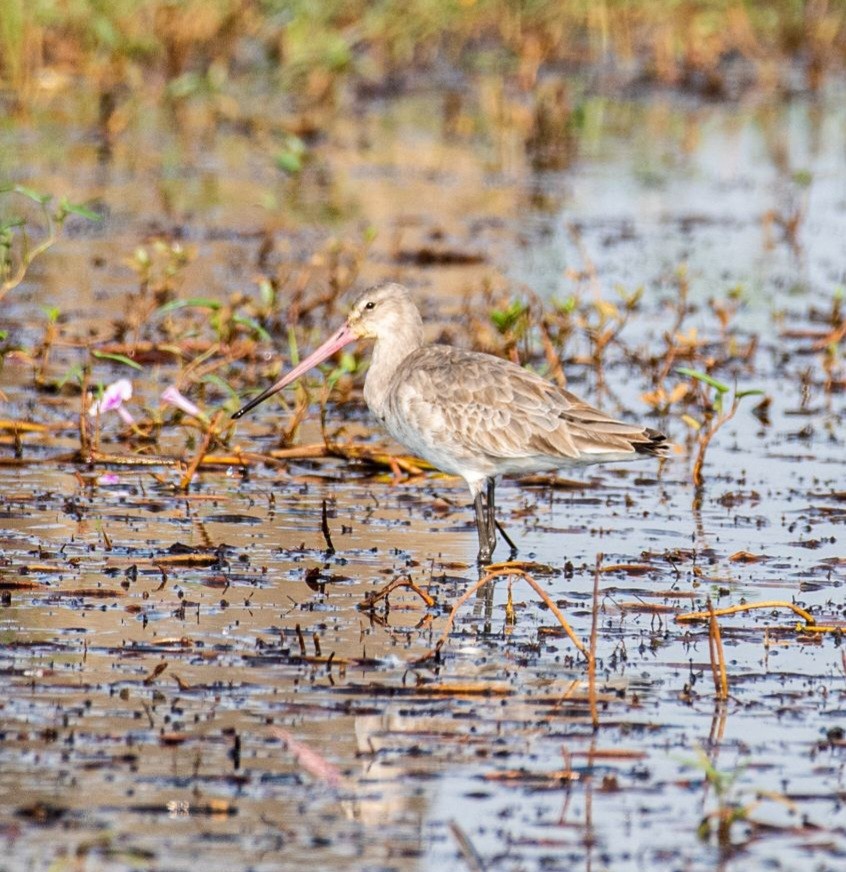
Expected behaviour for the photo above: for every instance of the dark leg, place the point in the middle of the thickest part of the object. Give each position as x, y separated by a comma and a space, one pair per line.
493, 524
485, 549
509, 540
491, 514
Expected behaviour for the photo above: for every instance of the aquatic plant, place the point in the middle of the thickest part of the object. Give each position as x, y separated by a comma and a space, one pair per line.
715, 414
512, 323
729, 809
18, 248
112, 399
171, 396
602, 322
159, 266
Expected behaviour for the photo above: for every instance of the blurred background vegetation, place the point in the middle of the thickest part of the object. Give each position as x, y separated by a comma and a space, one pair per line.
307, 48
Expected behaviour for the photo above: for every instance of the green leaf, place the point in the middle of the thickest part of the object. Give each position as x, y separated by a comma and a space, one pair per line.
217, 381
79, 209
718, 386
193, 303
565, 306
52, 313
505, 319
186, 85
291, 157
12, 223
75, 372
267, 293
289, 162
348, 362
293, 348
117, 358
750, 392
253, 325
41, 199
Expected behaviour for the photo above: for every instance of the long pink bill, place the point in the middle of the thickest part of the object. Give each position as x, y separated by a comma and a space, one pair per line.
336, 342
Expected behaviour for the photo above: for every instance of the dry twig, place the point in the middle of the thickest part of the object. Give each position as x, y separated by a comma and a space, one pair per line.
718, 660
490, 576
210, 434
746, 607
371, 599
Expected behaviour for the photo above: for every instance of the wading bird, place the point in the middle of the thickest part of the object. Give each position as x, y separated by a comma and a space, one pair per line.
468, 413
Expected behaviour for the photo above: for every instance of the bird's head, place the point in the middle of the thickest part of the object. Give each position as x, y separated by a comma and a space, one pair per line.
384, 311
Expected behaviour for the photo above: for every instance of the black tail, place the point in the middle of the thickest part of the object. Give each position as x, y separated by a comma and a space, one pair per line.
655, 444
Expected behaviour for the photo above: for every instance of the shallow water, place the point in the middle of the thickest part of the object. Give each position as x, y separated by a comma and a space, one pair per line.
142, 689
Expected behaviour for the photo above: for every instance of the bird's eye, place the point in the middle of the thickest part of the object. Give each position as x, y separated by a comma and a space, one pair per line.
369, 305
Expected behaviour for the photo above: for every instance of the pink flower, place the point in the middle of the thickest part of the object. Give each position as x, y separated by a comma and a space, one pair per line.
112, 400
172, 397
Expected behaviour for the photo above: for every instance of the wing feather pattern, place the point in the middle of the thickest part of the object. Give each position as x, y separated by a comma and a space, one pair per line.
445, 400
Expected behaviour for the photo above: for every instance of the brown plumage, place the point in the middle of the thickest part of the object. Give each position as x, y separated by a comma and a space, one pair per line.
468, 413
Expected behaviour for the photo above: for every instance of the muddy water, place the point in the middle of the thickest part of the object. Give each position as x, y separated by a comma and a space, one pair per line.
152, 639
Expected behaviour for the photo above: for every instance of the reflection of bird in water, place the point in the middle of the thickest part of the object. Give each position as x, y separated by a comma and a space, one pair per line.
468, 413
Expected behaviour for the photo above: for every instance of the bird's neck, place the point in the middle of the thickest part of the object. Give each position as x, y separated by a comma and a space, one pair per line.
388, 353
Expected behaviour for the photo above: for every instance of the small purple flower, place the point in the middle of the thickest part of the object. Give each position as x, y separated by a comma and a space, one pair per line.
109, 478
112, 400
172, 397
